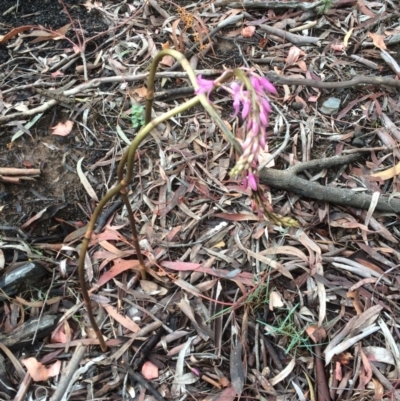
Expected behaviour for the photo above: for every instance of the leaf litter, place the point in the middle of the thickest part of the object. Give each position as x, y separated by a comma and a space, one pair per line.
234, 307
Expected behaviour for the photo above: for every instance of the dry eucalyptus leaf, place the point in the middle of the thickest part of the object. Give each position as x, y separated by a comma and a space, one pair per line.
38, 371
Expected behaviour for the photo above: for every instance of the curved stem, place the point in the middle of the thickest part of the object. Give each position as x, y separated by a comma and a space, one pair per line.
128, 161
81, 264
135, 238
123, 183
129, 157
182, 60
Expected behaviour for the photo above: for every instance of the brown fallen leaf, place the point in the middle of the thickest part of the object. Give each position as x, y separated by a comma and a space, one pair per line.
293, 56
378, 40
167, 61
119, 267
388, 174
38, 371
275, 300
42, 35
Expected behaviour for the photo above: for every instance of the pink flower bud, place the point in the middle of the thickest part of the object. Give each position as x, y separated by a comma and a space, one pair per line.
267, 85
205, 86
262, 140
255, 128
256, 84
236, 106
263, 118
247, 142
249, 124
235, 88
265, 105
246, 108
255, 148
252, 181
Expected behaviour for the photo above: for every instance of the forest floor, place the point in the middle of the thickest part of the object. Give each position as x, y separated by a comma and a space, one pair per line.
235, 305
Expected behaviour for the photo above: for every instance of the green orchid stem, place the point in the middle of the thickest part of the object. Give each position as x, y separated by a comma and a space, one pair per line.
127, 161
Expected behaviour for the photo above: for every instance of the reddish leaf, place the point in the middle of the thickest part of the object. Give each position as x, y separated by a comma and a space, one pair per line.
245, 278
248, 31
119, 267
43, 35
149, 371
63, 129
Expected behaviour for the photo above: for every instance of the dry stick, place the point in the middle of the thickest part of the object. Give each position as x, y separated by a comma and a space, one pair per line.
360, 80
249, 4
102, 220
94, 84
40, 109
271, 76
291, 37
23, 388
67, 375
289, 181
145, 383
19, 171
322, 384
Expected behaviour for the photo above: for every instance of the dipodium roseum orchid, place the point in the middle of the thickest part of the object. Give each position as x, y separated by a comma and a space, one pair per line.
250, 99
251, 102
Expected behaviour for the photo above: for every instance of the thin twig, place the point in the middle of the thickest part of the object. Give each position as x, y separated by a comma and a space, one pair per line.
68, 373
284, 143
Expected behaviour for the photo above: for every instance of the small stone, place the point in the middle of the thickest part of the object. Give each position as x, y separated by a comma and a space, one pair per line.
297, 106
330, 106
358, 142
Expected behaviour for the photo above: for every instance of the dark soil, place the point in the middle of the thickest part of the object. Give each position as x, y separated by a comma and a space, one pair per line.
48, 14
56, 156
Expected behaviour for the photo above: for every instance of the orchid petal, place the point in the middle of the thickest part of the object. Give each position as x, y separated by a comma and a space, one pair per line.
267, 86
252, 181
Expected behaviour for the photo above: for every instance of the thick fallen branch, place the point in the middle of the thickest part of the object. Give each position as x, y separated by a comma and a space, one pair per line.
249, 4
291, 37
93, 84
274, 78
289, 181
24, 114
360, 80
280, 80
